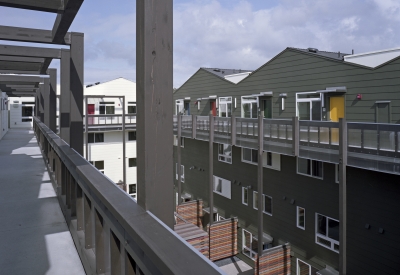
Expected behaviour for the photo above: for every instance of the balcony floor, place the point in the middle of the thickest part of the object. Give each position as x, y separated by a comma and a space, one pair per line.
34, 235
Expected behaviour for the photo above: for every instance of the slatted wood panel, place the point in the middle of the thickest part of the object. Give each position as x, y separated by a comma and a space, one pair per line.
195, 236
223, 239
274, 261
191, 211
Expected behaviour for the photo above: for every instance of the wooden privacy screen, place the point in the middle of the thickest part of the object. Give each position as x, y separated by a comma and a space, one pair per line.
223, 239
191, 211
195, 236
274, 261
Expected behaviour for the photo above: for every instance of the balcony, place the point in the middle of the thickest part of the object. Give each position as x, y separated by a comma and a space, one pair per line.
370, 146
45, 213
109, 122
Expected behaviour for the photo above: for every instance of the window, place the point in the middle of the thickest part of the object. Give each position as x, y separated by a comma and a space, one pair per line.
249, 107
132, 135
308, 167
255, 200
99, 164
303, 268
225, 106
176, 141
267, 205
27, 111
270, 160
308, 106
327, 232
182, 172
179, 107
132, 190
245, 195
106, 108
301, 217
222, 187
131, 108
225, 153
95, 137
132, 162
250, 155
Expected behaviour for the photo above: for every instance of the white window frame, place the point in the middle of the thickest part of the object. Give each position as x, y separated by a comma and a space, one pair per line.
255, 204
182, 172
176, 141
224, 101
93, 162
243, 195
223, 157
249, 99
311, 175
132, 194
179, 105
298, 217
264, 211
275, 158
94, 137
131, 104
30, 118
297, 267
298, 100
220, 218
226, 187
106, 104
251, 252
318, 235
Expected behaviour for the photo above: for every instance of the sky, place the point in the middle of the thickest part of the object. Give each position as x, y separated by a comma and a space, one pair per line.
229, 34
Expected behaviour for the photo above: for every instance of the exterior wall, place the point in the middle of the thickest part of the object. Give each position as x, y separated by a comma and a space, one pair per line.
315, 195
15, 107
292, 72
110, 151
3, 114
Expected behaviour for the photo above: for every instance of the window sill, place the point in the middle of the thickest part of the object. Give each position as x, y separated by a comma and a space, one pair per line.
319, 178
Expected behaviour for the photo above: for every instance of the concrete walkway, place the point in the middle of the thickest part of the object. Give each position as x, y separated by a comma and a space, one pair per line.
34, 237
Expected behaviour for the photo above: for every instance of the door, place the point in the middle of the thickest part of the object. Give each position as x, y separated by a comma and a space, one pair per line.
90, 111
336, 108
187, 107
213, 108
382, 112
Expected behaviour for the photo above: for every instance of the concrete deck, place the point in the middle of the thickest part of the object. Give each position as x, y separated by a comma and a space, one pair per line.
34, 237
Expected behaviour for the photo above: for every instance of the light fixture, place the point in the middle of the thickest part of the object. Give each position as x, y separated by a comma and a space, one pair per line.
283, 96
235, 103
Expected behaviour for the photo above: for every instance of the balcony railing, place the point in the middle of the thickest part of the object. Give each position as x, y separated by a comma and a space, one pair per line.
370, 146
109, 120
112, 233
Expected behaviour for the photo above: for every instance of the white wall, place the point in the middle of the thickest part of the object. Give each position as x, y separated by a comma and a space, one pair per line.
15, 107
236, 78
3, 114
373, 59
110, 151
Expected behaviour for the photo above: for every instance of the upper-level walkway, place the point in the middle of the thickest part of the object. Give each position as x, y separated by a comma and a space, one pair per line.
34, 235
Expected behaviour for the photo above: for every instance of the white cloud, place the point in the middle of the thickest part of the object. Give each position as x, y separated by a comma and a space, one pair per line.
389, 8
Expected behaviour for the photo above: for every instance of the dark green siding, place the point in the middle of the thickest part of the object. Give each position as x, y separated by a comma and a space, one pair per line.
292, 72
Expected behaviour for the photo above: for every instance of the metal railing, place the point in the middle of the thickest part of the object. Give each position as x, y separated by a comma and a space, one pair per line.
371, 146
109, 120
112, 233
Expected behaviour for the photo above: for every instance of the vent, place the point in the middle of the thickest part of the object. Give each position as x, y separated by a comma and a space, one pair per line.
312, 50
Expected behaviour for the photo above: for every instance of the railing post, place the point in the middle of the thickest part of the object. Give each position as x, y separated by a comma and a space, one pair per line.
100, 245
178, 151
124, 146
342, 196
88, 222
211, 169
86, 129
295, 136
194, 126
233, 130
79, 208
260, 182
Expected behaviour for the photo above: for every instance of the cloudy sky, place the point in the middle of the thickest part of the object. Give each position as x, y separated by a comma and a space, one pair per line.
238, 34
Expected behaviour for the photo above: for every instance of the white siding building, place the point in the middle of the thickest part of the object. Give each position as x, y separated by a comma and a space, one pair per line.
3, 114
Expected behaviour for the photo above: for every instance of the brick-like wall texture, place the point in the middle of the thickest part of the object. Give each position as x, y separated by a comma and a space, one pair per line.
223, 239
274, 261
191, 211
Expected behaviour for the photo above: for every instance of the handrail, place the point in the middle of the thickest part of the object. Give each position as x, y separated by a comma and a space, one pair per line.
104, 217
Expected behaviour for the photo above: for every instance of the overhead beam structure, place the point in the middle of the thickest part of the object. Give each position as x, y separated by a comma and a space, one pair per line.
32, 35
54, 6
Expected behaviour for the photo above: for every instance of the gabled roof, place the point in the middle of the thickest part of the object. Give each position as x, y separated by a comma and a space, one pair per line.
224, 72
334, 55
